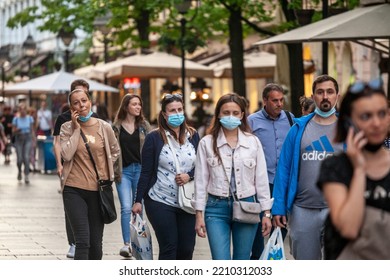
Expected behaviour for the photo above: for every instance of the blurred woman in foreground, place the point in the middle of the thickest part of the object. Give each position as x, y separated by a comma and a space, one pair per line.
356, 183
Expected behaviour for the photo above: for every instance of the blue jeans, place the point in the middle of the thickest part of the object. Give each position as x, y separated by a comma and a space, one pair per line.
23, 144
220, 228
126, 192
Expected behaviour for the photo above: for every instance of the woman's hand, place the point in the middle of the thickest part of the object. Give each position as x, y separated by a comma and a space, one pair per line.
182, 179
137, 208
59, 170
75, 116
266, 225
355, 144
200, 226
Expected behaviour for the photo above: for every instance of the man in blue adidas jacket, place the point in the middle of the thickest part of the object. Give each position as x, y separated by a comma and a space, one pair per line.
295, 194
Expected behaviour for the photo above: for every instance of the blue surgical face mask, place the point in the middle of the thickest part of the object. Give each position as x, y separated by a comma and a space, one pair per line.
87, 117
176, 120
230, 122
325, 114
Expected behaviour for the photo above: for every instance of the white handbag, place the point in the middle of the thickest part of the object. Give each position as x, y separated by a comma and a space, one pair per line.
186, 192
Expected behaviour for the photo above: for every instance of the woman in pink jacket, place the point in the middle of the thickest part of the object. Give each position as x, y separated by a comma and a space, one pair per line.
230, 160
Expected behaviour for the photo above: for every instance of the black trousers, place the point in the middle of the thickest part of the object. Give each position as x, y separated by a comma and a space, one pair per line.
82, 210
69, 232
174, 229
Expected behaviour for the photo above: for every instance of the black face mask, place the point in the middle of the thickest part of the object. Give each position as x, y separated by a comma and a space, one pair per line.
373, 147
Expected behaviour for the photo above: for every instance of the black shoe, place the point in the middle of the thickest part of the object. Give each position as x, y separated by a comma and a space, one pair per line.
20, 176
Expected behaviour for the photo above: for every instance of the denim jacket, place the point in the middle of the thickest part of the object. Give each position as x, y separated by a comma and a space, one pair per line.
250, 170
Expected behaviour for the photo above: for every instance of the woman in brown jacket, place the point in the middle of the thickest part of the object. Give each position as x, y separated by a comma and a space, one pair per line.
79, 179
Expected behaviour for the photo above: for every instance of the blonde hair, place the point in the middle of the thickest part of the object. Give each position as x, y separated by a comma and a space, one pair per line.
78, 90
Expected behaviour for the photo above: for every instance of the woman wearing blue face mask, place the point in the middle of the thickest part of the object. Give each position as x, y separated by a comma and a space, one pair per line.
230, 161
79, 179
160, 181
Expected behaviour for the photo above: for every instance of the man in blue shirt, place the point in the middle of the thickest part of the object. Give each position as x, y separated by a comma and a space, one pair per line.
295, 192
270, 125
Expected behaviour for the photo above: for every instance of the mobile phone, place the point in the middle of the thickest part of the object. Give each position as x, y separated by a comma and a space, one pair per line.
72, 111
349, 123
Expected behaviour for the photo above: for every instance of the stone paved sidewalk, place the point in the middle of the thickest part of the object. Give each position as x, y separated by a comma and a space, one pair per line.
32, 222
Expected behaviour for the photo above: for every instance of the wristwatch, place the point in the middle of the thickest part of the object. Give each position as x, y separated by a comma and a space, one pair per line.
268, 215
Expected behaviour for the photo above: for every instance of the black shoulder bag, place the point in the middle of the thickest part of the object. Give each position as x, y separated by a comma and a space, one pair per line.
106, 195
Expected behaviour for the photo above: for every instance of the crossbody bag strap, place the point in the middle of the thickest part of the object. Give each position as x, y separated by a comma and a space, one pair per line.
89, 152
230, 185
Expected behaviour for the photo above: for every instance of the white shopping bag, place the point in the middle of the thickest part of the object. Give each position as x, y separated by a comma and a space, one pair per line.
274, 249
141, 240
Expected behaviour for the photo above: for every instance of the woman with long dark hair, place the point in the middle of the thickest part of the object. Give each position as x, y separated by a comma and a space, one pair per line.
356, 183
160, 181
130, 129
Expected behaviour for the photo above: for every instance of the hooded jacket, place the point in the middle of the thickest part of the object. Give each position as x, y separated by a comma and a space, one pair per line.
287, 172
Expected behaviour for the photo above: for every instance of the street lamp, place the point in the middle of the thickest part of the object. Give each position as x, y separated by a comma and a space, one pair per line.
29, 48
183, 8
67, 38
4, 61
100, 24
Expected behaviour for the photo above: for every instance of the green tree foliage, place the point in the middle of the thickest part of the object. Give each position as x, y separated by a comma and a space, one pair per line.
132, 21
57, 12
233, 20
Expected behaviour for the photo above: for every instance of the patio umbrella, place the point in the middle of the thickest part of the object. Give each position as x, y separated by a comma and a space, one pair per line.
362, 23
58, 82
100, 70
155, 65
88, 71
257, 65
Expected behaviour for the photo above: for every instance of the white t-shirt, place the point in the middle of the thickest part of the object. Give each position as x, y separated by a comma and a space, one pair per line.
44, 119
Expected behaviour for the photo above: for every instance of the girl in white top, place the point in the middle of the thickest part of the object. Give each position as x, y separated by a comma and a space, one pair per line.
229, 158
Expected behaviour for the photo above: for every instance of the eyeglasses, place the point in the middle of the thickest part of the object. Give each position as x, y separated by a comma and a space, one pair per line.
174, 95
359, 86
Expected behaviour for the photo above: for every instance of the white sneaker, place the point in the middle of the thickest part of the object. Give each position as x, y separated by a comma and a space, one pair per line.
71, 251
125, 251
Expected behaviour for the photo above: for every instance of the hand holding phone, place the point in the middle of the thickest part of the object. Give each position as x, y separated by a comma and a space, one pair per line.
75, 116
355, 142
